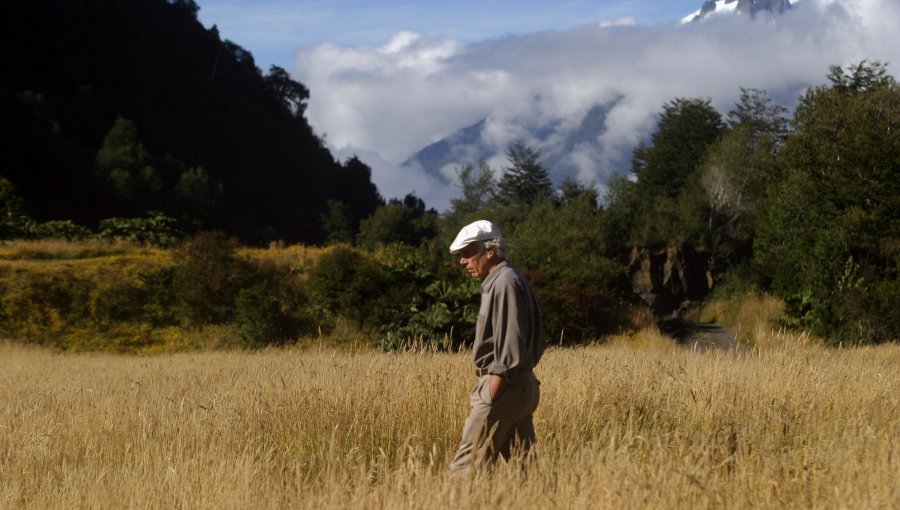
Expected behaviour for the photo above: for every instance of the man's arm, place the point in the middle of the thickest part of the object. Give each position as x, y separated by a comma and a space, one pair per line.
509, 322
498, 386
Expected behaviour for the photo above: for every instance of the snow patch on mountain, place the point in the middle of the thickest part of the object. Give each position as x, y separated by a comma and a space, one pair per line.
712, 8
719, 7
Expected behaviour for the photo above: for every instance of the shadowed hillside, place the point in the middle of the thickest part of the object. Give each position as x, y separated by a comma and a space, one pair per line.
115, 108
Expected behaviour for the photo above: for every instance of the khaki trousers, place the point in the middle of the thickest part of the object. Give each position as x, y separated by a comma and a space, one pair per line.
496, 428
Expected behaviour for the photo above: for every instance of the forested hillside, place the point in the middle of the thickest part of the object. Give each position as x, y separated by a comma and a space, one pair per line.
120, 107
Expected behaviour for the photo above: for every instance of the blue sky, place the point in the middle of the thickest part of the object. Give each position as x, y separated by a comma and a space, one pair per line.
274, 29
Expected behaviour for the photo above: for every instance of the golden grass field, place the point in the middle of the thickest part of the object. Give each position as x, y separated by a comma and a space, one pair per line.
634, 423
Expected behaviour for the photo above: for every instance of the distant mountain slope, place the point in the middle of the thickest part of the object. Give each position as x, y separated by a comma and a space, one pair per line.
465, 145
567, 148
202, 110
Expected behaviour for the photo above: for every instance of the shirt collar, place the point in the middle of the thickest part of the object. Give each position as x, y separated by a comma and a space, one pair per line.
489, 281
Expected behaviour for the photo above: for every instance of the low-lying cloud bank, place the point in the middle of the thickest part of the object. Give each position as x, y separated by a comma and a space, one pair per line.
385, 103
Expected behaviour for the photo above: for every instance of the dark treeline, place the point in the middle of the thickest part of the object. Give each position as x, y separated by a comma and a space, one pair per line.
113, 108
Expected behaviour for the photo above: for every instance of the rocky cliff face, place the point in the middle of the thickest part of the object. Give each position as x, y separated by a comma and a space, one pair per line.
667, 277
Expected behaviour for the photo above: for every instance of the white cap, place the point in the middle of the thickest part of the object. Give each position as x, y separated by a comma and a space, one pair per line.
481, 230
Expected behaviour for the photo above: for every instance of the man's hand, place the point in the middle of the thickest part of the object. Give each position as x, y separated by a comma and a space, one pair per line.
498, 386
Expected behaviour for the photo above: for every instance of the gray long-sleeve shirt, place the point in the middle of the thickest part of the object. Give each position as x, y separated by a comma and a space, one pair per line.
508, 336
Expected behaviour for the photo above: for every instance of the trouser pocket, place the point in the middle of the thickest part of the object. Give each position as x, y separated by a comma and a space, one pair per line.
486, 390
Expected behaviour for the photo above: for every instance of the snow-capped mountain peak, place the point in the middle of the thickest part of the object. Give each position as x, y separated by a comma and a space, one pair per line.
751, 7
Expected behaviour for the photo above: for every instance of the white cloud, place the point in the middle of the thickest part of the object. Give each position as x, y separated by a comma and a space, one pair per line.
384, 103
626, 21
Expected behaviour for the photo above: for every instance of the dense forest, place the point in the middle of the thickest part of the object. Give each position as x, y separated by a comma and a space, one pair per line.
130, 120
114, 108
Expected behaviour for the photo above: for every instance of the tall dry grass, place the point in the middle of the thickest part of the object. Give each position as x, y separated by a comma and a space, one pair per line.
292, 259
752, 318
620, 426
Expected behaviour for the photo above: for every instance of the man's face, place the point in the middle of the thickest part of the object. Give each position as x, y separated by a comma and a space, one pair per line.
477, 260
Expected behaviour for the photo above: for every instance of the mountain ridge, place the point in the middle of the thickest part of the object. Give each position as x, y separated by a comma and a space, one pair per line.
567, 148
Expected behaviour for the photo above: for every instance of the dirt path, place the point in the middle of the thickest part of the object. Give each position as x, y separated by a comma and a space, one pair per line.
703, 337
711, 336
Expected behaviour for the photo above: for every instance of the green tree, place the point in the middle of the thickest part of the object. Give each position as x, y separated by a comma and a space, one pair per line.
829, 237
258, 316
670, 208
208, 277
357, 191
337, 222
525, 181
740, 170
11, 204
291, 94
765, 119
476, 199
124, 165
560, 248
861, 77
476, 189
399, 221
621, 205
349, 284
198, 196
570, 189
687, 127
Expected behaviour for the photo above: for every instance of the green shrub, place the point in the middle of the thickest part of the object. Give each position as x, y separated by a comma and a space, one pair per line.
405, 221
866, 311
39, 306
23, 227
77, 303
877, 310
446, 310
348, 283
581, 307
738, 280
159, 303
157, 229
207, 278
442, 300
114, 298
64, 229
581, 293
258, 316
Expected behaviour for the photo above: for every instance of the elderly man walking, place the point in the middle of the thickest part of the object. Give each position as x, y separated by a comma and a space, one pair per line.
508, 344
